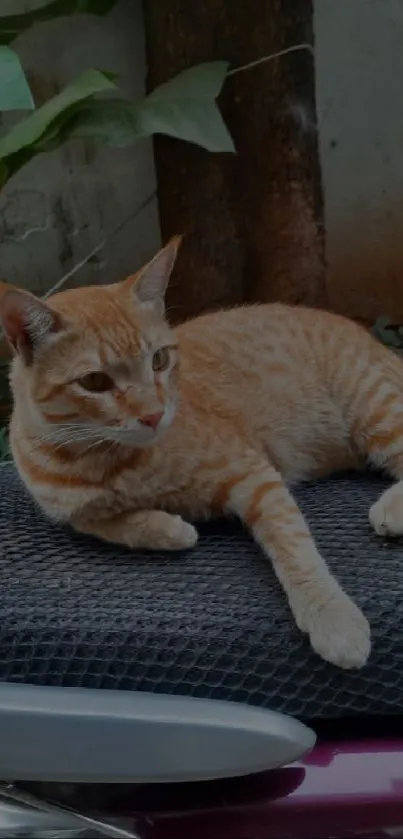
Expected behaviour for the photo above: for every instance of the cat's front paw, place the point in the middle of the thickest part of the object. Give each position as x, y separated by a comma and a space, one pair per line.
170, 533
386, 515
337, 629
180, 535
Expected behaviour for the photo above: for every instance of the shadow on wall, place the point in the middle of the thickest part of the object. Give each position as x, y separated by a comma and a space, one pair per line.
365, 274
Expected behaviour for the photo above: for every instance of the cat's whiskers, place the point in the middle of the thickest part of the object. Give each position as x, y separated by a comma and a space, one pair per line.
63, 430
67, 437
38, 445
99, 443
64, 436
74, 434
67, 429
76, 442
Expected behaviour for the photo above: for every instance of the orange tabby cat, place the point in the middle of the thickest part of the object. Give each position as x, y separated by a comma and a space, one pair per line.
121, 424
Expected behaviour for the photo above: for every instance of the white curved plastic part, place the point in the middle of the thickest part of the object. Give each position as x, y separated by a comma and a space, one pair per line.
94, 736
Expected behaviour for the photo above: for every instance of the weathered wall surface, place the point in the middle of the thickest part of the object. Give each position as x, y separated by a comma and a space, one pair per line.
359, 71
62, 205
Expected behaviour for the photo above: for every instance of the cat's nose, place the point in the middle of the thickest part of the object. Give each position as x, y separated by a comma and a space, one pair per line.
152, 420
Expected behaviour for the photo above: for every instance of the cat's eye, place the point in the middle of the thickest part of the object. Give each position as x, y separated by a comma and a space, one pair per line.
161, 359
96, 382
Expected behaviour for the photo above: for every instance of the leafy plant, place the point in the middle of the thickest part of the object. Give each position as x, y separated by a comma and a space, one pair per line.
41, 129
389, 333
184, 107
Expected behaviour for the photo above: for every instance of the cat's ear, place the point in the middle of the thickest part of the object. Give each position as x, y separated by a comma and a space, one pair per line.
27, 322
150, 284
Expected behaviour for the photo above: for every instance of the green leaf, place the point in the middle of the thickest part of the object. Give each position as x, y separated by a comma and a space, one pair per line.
18, 145
15, 94
383, 322
113, 122
380, 328
201, 81
13, 25
184, 108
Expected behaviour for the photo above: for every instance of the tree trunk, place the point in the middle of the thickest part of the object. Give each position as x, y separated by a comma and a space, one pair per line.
252, 221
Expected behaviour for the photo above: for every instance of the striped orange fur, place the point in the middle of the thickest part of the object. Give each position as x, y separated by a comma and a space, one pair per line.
121, 425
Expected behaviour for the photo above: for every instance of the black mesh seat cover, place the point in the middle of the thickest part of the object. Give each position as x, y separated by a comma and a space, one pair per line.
212, 622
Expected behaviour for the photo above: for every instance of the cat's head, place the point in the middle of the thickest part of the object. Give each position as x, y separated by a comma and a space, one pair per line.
96, 362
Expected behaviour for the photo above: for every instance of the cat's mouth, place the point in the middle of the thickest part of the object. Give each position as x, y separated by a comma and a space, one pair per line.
132, 436
140, 433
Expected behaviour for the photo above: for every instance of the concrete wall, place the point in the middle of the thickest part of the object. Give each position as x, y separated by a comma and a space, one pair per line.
62, 205
359, 62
